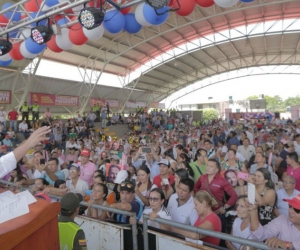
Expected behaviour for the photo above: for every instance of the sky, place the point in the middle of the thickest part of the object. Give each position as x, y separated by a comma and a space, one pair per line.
283, 85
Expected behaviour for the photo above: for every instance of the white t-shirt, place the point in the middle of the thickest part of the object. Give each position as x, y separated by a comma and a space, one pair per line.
183, 213
145, 193
7, 163
283, 207
164, 213
236, 231
81, 186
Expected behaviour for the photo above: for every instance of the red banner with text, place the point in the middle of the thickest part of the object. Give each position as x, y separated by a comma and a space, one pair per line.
53, 100
111, 103
5, 96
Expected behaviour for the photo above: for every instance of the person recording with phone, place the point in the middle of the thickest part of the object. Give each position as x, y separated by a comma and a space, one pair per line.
50, 174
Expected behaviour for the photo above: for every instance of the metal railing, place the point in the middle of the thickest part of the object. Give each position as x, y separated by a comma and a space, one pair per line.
146, 217
198, 230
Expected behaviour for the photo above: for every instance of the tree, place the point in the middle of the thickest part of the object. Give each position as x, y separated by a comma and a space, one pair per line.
291, 101
252, 97
210, 114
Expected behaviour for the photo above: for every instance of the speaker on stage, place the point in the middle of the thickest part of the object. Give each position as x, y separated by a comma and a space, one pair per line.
277, 115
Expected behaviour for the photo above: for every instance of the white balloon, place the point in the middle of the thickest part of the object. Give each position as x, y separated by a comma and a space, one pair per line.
62, 1
226, 3
139, 15
94, 34
5, 57
25, 53
63, 40
25, 33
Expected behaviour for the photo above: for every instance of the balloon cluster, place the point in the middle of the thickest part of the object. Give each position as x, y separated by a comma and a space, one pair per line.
114, 22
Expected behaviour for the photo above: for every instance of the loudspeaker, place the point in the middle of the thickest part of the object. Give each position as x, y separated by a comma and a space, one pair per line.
277, 115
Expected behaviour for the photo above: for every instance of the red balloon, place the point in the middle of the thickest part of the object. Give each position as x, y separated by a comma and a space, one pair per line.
76, 35
186, 7
53, 46
171, 3
3, 21
205, 3
97, 5
123, 11
15, 52
32, 5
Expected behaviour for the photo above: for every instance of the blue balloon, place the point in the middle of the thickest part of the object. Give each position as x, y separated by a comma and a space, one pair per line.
247, 1
13, 34
42, 22
51, 3
114, 21
131, 25
151, 16
33, 47
6, 63
15, 17
62, 21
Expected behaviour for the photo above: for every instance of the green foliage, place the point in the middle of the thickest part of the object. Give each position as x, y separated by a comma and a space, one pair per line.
276, 104
210, 114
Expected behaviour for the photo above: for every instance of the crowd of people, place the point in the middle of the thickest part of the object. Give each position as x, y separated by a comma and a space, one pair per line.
172, 167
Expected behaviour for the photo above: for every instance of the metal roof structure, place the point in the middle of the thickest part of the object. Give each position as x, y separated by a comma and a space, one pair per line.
206, 43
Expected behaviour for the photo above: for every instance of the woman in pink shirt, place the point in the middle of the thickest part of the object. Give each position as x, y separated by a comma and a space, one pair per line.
207, 219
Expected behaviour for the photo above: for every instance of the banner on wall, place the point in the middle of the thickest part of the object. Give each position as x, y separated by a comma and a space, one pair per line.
5, 97
54, 100
111, 103
131, 105
157, 105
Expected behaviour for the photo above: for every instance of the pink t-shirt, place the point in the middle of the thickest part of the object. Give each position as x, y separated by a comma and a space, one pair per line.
296, 174
87, 171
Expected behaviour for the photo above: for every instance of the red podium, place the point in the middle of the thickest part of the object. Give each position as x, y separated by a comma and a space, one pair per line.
36, 230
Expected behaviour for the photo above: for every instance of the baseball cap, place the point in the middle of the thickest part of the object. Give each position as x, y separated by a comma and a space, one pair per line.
127, 186
69, 202
121, 176
115, 157
74, 165
165, 162
85, 152
3, 146
42, 195
295, 202
287, 142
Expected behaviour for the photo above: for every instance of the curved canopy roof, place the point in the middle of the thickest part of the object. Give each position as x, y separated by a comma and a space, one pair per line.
122, 54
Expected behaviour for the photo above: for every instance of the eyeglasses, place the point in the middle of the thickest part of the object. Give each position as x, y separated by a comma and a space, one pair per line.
154, 199
297, 211
128, 185
288, 182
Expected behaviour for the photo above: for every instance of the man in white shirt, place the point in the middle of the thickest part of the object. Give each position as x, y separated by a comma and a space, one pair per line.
246, 150
297, 144
23, 128
76, 185
287, 192
181, 204
249, 134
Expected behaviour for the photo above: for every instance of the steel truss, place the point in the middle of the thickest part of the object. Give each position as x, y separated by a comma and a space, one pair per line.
124, 42
237, 74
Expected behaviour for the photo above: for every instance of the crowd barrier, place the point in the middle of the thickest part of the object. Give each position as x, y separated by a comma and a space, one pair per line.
113, 235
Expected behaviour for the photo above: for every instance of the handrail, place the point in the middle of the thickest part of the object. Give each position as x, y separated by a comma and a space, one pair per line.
113, 210
198, 230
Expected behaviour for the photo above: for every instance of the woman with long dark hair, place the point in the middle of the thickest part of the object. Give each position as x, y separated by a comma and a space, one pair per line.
144, 185
156, 210
265, 195
98, 197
